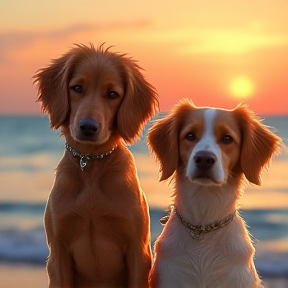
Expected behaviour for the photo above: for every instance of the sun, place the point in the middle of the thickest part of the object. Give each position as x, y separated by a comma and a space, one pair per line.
241, 87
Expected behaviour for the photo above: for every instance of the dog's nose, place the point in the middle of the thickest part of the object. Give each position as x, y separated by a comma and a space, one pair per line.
204, 159
88, 126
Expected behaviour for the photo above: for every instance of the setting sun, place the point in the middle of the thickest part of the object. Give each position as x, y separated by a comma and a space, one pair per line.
242, 88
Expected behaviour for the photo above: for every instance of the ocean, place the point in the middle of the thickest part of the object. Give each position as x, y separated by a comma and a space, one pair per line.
29, 151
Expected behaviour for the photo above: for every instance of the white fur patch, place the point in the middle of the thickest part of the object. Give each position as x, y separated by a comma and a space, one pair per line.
207, 143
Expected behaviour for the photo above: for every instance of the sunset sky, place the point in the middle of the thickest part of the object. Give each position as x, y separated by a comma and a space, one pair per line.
216, 52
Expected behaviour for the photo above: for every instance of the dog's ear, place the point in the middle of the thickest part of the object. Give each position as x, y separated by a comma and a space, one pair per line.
259, 144
139, 104
163, 138
52, 83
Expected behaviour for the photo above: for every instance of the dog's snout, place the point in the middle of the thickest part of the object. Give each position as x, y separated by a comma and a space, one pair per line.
204, 159
88, 126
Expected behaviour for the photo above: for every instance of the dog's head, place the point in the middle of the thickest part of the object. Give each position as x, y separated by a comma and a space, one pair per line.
92, 93
210, 145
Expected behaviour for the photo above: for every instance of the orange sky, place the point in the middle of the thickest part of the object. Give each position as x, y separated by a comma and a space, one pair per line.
216, 52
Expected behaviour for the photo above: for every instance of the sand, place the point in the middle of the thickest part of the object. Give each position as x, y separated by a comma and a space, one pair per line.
31, 276
22, 276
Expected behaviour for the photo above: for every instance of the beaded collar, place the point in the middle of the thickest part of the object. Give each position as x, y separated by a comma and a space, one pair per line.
197, 231
84, 158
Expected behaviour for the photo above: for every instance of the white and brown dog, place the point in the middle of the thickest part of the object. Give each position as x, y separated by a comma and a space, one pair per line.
209, 152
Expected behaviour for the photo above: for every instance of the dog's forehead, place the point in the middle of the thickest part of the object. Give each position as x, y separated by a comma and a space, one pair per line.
225, 118
210, 118
195, 116
200, 115
95, 62
98, 68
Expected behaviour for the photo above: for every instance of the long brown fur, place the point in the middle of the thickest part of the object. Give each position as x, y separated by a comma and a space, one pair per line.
97, 220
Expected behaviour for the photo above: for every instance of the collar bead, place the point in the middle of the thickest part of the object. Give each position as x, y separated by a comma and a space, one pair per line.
197, 231
84, 158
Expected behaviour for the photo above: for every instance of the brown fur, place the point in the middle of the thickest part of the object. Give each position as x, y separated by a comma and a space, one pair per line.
96, 220
257, 147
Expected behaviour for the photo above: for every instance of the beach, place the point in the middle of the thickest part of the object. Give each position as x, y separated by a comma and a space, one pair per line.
27, 276
28, 156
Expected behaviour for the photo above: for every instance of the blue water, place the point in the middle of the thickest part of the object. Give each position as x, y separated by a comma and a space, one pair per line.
22, 237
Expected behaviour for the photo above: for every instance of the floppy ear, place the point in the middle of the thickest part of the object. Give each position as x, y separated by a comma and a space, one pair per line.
139, 104
52, 83
259, 144
163, 138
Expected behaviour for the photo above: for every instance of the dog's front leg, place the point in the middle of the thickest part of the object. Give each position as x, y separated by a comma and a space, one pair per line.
139, 265
59, 267
241, 277
60, 264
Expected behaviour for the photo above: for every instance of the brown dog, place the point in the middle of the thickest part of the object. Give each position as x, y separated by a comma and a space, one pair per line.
96, 219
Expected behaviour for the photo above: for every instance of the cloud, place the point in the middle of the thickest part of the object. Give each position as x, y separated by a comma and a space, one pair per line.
18, 39
218, 40
233, 41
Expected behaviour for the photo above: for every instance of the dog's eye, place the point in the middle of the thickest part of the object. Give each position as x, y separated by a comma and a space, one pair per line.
227, 139
190, 136
113, 94
77, 88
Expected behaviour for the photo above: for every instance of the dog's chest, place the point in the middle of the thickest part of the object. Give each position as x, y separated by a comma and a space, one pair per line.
210, 262
194, 260
89, 210
93, 216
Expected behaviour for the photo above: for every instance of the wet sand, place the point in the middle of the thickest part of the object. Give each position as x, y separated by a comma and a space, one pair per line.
32, 276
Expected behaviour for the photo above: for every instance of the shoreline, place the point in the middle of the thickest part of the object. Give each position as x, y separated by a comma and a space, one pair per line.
14, 275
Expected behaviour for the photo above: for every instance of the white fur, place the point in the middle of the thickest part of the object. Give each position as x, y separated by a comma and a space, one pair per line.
224, 258
207, 143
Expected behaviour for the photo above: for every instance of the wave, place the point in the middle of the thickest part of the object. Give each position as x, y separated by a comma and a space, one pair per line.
37, 137
28, 245
272, 264
23, 246
22, 207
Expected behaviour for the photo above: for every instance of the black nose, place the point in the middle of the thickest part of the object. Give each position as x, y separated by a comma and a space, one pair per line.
88, 126
204, 159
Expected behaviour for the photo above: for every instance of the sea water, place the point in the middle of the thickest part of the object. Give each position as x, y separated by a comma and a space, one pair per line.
29, 151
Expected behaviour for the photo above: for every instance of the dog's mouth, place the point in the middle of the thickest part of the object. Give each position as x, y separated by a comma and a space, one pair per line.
90, 139
98, 138
205, 179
